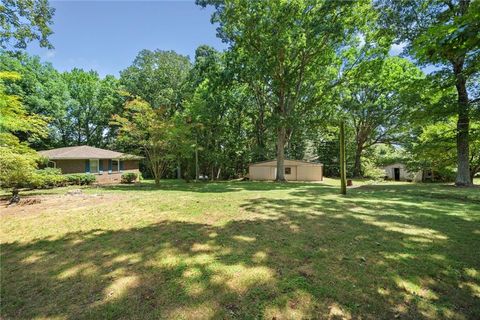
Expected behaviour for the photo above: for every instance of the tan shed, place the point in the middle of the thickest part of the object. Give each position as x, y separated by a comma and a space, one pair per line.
295, 170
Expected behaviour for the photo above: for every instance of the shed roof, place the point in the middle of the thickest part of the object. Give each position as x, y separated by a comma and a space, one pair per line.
85, 152
286, 162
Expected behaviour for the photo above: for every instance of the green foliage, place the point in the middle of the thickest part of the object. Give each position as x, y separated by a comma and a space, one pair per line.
47, 178
17, 160
222, 111
89, 112
279, 48
370, 170
24, 21
447, 34
17, 165
379, 97
129, 177
43, 91
14, 117
157, 77
435, 148
80, 178
164, 140
79, 104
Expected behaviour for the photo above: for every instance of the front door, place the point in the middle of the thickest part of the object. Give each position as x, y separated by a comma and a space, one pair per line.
396, 172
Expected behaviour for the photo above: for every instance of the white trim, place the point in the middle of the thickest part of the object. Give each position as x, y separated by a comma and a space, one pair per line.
54, 164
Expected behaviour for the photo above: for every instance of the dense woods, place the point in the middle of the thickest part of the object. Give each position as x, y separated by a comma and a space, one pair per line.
292, 71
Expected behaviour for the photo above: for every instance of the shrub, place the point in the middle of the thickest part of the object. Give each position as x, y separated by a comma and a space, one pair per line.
129, 177
80, 178
373, 172
47, 178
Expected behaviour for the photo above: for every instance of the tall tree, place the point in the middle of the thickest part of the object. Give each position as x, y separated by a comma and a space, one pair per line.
23, 21
435, 148
93, 102
379, 97
158, 77
220, 107
285, 45
445, 34
43, 91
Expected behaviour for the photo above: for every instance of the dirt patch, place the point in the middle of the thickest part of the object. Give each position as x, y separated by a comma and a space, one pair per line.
39, 204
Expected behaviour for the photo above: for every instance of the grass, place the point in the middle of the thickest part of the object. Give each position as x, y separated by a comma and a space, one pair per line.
243, 250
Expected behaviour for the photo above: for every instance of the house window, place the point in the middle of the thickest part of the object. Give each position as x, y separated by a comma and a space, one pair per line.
51, 164
288, 170
93, 165
115, 166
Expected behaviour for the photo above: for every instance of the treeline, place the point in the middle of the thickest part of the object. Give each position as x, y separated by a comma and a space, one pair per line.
291, 72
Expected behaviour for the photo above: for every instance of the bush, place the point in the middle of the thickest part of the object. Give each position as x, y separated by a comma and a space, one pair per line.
373, 172
80, 178
129, 177
47, 178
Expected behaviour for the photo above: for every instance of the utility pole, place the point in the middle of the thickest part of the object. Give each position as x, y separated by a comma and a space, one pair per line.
343, 164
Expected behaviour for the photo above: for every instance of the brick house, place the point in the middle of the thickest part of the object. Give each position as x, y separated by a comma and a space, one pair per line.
108, 166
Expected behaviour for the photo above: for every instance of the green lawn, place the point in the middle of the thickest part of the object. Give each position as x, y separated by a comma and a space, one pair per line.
243, 250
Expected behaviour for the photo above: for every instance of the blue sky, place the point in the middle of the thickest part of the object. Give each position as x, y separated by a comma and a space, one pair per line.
107, 35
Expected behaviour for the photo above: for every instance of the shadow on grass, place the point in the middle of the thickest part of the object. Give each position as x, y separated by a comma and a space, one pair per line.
303, 257
210, 187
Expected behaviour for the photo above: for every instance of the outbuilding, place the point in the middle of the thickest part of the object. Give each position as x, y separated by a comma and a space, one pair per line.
295, 170
399, 172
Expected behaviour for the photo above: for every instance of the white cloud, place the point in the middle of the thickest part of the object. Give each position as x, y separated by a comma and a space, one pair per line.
397, 49
50, 54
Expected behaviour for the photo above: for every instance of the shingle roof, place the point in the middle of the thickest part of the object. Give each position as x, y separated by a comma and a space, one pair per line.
85, 152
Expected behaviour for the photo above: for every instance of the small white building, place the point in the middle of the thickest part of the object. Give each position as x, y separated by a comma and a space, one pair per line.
399, 172
295, 170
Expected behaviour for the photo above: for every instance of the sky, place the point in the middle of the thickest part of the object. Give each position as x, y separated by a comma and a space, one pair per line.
107, 35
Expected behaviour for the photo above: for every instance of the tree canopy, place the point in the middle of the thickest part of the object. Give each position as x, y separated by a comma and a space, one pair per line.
291, 72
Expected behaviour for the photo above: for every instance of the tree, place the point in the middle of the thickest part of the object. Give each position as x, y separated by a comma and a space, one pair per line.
93, 101
43, 91
343, 163
435, 147
158, 77
286, 48
445, 34
163, 140
221, 110
17, 160
379, 97
23, 21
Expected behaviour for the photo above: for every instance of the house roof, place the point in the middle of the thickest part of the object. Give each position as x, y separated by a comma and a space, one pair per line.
286, 162
85, 152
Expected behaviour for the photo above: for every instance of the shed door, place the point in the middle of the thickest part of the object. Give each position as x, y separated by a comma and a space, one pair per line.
396, 173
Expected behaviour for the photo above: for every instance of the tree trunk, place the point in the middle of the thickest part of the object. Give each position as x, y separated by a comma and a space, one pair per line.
15, 197
463, 164
156, 173
343, 164
281, 136
179, 170
357, 169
